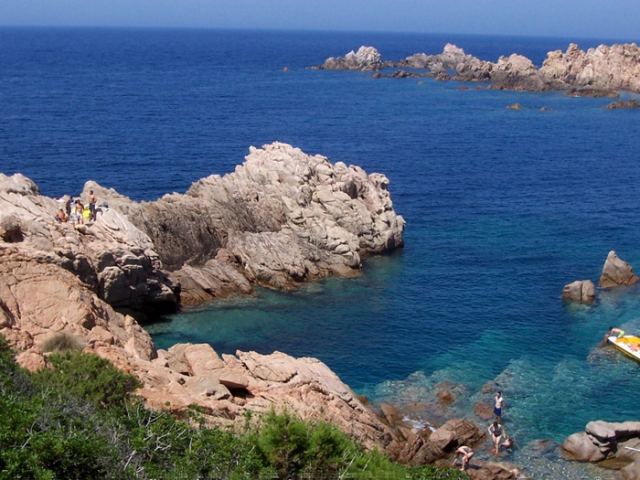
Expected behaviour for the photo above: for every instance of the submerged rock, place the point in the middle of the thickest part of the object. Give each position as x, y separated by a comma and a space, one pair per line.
582, 291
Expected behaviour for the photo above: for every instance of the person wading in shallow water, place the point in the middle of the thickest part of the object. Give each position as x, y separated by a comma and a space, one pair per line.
497, 432
499, 406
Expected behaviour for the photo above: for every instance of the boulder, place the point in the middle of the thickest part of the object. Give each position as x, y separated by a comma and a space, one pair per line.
581, 291
494, 471
616, 272
615, 445
580, 447
425, 448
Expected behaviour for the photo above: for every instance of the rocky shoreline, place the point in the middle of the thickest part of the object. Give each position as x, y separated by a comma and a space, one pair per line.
282, 218
606, 70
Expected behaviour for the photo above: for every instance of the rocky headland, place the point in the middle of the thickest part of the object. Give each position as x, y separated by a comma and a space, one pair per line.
601, 71
283, 217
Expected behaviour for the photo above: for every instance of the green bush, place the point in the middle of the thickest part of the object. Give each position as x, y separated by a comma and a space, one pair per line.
89, 377
80, 420
284, 441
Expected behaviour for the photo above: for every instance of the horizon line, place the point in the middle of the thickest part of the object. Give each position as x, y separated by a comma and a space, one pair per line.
302, 30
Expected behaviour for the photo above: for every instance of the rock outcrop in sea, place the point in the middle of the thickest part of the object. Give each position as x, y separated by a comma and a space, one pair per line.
612, 445
616, 272
282, 218
365, 59
605, 69
581, 291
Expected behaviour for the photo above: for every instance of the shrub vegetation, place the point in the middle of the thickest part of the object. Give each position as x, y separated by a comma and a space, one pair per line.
80, 420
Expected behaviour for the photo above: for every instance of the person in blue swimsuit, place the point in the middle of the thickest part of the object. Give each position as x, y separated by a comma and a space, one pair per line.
499, 406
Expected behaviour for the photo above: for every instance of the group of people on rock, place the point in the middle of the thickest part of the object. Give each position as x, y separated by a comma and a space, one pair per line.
74, 211
496, 432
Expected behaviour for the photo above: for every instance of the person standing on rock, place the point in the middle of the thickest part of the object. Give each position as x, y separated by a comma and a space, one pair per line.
466, 453
92, 206
499, 406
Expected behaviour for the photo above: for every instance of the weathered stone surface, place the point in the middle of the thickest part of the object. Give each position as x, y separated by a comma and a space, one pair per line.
495, 471
44, 298
608, 431
616, 272
283, 217
582, 291
580, 447
390, 413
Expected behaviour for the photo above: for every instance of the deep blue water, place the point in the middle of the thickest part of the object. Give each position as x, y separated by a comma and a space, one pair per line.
503, 207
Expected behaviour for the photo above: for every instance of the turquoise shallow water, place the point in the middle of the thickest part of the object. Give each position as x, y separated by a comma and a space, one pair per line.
503, 207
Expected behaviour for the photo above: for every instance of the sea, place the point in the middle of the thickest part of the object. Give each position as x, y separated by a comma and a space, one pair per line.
503, 208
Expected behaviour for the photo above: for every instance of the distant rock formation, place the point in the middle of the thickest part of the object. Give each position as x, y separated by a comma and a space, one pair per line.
365, 59
616, 272
616, 445
615, 67
633, 103
582, 291
592, 93
606, 69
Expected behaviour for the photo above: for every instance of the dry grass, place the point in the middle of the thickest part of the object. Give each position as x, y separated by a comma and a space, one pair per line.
63, 342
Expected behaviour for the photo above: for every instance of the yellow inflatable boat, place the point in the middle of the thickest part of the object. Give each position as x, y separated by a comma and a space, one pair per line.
629, 345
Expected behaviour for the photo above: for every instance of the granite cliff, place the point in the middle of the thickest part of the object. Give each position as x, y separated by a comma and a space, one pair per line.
283, 217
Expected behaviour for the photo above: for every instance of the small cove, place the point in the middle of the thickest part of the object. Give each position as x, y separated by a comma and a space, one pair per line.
503, 207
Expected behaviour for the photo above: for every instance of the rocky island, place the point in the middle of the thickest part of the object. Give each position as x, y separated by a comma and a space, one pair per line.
605, 69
